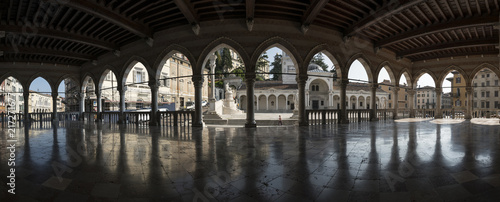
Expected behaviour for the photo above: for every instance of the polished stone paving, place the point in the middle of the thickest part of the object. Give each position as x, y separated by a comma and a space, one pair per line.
405, 160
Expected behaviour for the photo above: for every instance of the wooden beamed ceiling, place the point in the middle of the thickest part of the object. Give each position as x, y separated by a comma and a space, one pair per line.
78, 31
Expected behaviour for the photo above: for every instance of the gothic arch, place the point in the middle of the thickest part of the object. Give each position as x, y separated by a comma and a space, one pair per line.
167, 53
130, 64
448, 70
388, 67
215, 45
283, 45
479, 68
422, 72
364, 62
331, 54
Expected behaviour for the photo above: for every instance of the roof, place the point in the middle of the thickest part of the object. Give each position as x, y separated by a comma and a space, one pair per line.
361, 86
264, 85
80, 31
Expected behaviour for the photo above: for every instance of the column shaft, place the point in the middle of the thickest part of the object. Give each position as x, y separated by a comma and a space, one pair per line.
198, 85
438, 114
26, 97
153, 85
469, 92
301, 81
250, 82
373, 110
411, 101
54, 107
343, 110
395, 102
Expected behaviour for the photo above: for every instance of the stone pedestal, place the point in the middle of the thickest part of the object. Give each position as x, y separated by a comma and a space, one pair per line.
229, 107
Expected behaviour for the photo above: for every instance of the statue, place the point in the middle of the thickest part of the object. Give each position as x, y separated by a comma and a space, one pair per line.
227, 88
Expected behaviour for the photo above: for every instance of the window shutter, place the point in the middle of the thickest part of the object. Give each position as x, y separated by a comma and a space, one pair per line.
143, 76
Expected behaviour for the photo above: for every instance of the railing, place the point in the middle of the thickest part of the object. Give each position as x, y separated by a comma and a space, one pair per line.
384, 114
68, 116
110, 117
16, 119
424, 113
403, 113
485, 113
358, 115
453, 113
175, 118
317, 117
40, 120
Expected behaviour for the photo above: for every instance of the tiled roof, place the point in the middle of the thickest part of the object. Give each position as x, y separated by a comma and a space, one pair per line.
264, 85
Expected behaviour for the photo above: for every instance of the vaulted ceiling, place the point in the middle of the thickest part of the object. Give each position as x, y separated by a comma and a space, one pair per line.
78, 31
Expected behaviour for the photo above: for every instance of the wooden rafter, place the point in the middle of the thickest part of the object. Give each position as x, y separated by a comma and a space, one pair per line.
46, 52
449, 46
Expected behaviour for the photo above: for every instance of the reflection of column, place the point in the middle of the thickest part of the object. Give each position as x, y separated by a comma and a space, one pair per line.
395, 102
212, 100
153, 85
54, 106
301, 81
250, 82
98, 100
373, 110
198, 88
26, 97
438, 113
468, 91
411, 95
343, 111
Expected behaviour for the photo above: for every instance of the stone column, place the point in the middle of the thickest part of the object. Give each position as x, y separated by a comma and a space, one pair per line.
82, 106
26, 97
267, 102
98, 100
411, 99
54, 107
373, 94
301, 81
277, 103
122, 91
153, 85
286, 103
438, 114
343, 110
198, 89
212, 100
395, 100
250, 82
469, 92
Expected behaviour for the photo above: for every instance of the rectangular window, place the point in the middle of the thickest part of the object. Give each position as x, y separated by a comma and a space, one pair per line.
496, 104
482, 76
482, 94
475, 104
475, 84
475, 94
360, 104
487, 93
482, 84
389, 96
487, 75
496, 82
487, 83
496, 93
458, 80
487, 104
482, 104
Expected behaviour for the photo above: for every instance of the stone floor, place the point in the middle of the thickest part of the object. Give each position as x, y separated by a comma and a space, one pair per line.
406, 160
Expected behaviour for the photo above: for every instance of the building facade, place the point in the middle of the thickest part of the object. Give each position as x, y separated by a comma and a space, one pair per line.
425, 98
458, 95
486, 91
10, 88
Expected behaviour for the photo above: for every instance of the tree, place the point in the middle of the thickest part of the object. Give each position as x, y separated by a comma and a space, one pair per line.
239, 72
261, 66
276, 70
227, 60
319, 60
219, 68
334, 71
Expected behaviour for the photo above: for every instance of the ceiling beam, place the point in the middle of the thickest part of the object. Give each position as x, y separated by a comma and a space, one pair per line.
311, 13
46, 52
389, 9
104, 13
187, 10
448, 46
250, 8
440, 27
61, 35
448, 55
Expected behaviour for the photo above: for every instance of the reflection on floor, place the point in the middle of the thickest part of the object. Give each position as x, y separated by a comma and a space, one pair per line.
379, 161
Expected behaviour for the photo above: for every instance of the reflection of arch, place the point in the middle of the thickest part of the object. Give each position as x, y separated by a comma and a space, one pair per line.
216, 45
387, 66
167, 54
325, 49
447, 71
281, 44
421, 73
364, 62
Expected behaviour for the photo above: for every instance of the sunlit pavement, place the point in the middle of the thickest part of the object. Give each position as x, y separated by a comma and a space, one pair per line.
406, 160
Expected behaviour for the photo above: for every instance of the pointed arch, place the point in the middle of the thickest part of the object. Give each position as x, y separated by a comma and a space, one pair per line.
108, 69
388, 67
41, 75
15, 76
364, 62
131, 63
406, 73
84, 81
167, 53
283, 45
67, 76
217, 44
330, 53
478, 68
422, 72
449, 69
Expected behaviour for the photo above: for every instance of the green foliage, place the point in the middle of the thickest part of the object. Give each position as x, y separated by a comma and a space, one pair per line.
219, 84
319, 60
276, 70
239, 72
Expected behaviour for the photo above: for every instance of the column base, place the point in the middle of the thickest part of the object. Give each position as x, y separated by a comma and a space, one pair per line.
198, 125
251, 125
303, 123
374, 119
438, 117
344, 121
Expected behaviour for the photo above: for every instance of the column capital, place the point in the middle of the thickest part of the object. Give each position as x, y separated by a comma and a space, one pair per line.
344, 82
153, 84
439, 90
374, 86
468, 89
54, 94
411, 91
301, 78
396, 89
119, 88
250, 77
